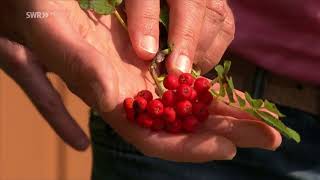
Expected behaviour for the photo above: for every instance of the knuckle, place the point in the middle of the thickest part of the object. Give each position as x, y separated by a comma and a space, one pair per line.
150, 15
197, 4
216, 11
189, 35
228, 28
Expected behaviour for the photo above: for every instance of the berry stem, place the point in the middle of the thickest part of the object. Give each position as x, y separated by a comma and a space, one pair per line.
153, 72
120, 19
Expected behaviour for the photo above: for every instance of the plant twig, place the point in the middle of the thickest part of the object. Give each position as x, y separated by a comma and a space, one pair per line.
120, 19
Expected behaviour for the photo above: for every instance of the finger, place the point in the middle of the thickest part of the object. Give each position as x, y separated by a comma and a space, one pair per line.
244, 133
208, 58
186, 18
23, 69
198, 147
143, 26
213, 21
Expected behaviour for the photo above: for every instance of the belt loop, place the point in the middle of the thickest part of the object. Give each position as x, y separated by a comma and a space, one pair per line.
258, 83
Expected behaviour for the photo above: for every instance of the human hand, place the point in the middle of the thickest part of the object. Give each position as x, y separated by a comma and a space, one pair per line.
93, 55
200, 31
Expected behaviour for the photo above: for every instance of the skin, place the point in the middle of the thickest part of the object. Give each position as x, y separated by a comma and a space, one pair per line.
94, 57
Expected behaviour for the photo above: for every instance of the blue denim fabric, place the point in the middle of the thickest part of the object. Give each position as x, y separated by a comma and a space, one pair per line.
113, 159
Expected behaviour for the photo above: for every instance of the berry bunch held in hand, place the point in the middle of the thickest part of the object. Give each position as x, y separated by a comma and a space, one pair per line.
182, 107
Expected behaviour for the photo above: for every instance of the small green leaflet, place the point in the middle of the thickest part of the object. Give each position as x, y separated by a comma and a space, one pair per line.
84, 4
230, 94
103, 7
276, 123
241, 101
220, 71
248, 98
273, 108
226, 66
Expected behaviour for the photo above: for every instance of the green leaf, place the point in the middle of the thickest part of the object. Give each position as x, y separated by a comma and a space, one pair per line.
116, 2
226, 65
102, 7
272, 108
252, 112
84, 4
230, 83
230, 94
220, 71
164, 16
222, 92
257, 103
249, 98
241, 101
280, 126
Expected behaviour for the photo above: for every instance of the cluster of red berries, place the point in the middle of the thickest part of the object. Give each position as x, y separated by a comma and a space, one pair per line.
180, 109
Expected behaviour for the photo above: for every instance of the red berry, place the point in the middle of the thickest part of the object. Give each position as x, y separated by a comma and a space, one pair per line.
200, 110
130, 114
140, 104
184, 108
184, 92
158, 124
186, 78
194, 96
190, 123
144, 120
155, 108
206, 97
169, 114
171, 82
174, 127
169, 98
201, 85
128, 104
147, 95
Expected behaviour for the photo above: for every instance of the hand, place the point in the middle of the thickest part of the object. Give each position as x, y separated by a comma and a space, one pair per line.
93, 55
200, 31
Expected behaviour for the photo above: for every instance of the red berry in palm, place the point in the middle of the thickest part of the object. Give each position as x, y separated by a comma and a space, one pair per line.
169, 98
174, 127
200, 110
140, 104
169, 114
184, 108
186, 78
206, 97
128, 104
201, 85
155, 108
147, 95
184, 92
157, 124
130, 114
190, 123
144, 120
171, 82
194, 96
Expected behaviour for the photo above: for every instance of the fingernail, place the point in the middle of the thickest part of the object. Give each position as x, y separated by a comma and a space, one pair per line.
183, 64
149, 44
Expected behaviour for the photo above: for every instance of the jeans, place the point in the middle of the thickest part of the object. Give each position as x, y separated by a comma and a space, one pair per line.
114, 159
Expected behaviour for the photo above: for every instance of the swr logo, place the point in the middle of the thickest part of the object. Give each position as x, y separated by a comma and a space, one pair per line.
37, 15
